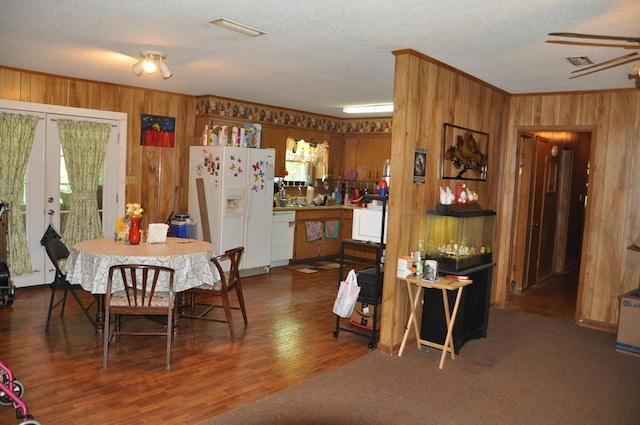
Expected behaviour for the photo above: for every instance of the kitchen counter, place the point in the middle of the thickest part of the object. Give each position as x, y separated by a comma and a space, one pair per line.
314, 207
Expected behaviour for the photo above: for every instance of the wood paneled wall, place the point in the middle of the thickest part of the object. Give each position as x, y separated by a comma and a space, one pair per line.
612, 222
426, 95
143, 186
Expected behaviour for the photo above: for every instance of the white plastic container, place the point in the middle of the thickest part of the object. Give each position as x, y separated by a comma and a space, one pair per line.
310, 195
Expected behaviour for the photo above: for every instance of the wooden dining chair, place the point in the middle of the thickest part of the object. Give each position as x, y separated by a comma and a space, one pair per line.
228, 282
134, 290
58, 252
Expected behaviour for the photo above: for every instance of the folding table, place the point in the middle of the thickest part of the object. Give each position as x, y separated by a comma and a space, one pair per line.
415, 288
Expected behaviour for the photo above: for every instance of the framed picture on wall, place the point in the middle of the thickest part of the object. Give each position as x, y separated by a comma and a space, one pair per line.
158, 131
419, 165
464, 153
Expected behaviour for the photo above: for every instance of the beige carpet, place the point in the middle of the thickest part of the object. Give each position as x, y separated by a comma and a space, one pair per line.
530, 370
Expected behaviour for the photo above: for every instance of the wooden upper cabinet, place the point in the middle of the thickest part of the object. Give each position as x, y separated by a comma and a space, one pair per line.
365, 154
336, 157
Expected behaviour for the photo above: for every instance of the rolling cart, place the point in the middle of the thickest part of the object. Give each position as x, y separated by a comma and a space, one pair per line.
368, 255
11, 392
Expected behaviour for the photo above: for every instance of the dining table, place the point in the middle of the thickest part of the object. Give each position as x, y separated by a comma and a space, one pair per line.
89, 262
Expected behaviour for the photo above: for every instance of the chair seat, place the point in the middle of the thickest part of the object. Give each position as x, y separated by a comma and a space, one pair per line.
160, 299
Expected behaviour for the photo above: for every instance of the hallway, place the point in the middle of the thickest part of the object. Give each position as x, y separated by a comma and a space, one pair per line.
554, 297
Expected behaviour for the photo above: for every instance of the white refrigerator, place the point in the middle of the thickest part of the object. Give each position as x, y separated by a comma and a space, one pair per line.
231, 194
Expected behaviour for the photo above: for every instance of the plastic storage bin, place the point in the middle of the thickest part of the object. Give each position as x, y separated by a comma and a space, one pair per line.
184, 227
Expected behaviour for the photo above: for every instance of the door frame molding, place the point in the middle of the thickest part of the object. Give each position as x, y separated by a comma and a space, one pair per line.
533, 129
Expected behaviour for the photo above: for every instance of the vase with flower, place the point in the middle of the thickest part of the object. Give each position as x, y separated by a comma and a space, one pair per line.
134, 212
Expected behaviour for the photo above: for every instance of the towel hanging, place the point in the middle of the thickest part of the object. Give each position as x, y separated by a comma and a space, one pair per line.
314, 230
332, 229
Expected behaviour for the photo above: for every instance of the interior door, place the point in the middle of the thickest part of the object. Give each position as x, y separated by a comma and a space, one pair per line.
46, 191
536, 212
523, 194
548, 222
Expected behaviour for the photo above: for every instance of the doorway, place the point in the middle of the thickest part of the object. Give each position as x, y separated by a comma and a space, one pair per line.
46, 190
551, 198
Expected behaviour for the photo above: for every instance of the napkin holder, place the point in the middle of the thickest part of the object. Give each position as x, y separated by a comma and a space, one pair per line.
157, 233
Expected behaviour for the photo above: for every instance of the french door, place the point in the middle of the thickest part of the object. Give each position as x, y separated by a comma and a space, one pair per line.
46, 191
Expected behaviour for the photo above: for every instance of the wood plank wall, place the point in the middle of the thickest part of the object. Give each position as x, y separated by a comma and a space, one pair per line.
612, 222
426, 95
35, 87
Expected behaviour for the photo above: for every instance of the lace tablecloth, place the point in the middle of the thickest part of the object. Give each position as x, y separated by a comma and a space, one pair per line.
89, 261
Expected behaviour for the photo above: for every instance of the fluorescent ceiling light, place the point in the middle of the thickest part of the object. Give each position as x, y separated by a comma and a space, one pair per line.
368, 109
235, 26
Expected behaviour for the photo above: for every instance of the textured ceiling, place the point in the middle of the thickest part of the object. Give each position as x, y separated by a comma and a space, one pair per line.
316, 56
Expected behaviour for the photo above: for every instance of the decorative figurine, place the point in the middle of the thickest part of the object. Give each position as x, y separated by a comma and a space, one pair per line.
446, 197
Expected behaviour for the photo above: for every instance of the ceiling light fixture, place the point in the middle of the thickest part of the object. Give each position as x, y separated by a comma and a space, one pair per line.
368, 109
235, 26
150, 61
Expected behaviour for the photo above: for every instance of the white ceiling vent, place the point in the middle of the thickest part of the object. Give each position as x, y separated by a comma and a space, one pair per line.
580, 60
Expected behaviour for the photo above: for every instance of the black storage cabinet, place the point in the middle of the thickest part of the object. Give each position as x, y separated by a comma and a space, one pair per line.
472, 321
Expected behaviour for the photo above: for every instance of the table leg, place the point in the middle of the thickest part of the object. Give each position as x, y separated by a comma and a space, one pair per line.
99, 312
182, 303
447, 317
448, 342
413, 302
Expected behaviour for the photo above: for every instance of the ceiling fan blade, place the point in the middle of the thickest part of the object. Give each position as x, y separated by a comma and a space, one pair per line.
621, 59
596, 36
586, 43
613, 65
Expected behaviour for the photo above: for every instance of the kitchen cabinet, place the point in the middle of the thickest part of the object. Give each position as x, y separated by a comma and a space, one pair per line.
347, 223
336, 154
323, 247
365, 154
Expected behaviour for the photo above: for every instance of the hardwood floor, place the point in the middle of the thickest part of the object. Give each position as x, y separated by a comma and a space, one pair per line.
288, 340
554, 297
